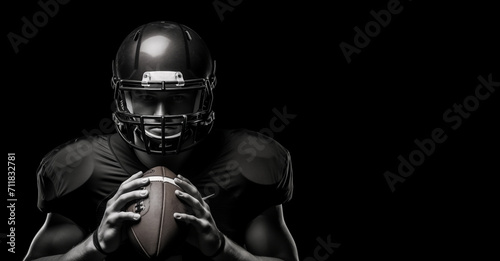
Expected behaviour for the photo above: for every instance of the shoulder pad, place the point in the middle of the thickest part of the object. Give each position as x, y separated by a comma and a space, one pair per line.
65, 169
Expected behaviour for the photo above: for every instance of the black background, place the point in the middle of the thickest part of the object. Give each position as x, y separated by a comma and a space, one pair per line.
352, 120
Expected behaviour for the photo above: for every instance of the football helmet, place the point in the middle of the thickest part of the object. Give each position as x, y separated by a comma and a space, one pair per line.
163, 81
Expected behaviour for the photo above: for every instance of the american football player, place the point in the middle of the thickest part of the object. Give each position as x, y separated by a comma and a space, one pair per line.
234, 181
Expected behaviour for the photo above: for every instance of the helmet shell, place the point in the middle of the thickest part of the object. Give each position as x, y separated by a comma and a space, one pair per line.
163, 49
163, 46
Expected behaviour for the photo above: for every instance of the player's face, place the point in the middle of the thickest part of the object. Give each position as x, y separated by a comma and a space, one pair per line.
164, 103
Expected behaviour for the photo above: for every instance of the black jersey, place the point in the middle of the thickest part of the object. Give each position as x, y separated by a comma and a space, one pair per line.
246, 171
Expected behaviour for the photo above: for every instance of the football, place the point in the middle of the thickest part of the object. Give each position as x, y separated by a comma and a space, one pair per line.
158, 233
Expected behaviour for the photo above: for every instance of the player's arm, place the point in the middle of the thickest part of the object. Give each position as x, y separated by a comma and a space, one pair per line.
62, 239
267, 237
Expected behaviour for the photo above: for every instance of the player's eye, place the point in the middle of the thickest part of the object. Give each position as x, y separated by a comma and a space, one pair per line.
144, 97
178, 98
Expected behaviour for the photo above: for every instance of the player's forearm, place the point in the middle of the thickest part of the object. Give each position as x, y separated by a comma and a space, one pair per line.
85, 251
233, 251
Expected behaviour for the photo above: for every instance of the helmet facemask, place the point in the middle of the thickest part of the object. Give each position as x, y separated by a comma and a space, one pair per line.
163, 113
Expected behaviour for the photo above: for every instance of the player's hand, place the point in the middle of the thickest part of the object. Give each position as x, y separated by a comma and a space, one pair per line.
110, 233
204, 233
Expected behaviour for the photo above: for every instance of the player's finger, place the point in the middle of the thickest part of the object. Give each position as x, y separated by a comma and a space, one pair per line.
125, 198
194, 203
134, 176
117, 218
131, 185
199, 224
187, 186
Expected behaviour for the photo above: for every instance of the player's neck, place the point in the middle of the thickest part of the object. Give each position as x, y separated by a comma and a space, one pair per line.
173, 162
